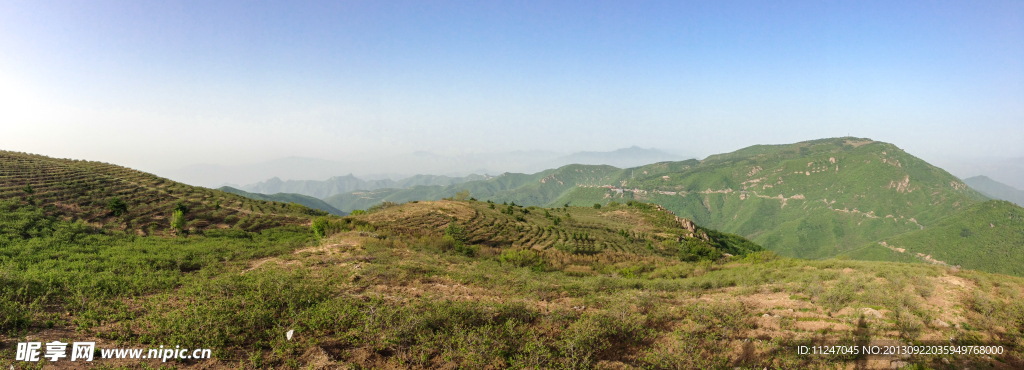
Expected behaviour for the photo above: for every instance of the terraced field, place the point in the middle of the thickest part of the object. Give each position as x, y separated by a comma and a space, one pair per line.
634, 228
83, 190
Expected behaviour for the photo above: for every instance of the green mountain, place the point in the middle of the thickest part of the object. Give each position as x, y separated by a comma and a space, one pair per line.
995, 190
812, 199
304, 200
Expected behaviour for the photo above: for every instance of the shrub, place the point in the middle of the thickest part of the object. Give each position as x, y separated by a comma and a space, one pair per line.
520, 258
597, 206
908, 325
382, 206
696, 250
457, 232
319, 228
117, 206
357, 212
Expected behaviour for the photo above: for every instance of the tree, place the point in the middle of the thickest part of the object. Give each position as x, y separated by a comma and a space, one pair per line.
462, 195
178, 220
597, 206
456, 231
184, 208
117, 206
28, 189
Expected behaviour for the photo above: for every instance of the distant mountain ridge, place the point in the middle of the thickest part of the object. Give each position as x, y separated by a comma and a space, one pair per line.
622, 158
304, 200
401, 166
349, 183
996, 190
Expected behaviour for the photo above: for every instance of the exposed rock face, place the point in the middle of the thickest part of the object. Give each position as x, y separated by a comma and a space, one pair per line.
685, 223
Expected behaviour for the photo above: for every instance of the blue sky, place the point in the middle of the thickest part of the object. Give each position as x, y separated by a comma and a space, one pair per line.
157, 85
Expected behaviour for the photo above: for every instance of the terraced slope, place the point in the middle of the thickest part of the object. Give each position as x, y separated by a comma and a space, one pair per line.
304, 200
83, 190
636, 229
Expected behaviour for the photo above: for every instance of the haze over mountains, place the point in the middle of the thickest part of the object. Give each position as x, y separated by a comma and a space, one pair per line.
996, 190
815, 199
812, 199
400, 167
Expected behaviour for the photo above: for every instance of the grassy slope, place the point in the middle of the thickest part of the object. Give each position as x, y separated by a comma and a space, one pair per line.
81, 190
988, 236
386, 290
304, 200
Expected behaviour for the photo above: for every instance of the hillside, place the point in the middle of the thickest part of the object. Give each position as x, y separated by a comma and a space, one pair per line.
634, 228
304, 200
472, 284
812, 199
84, 190
996, 190
987, 236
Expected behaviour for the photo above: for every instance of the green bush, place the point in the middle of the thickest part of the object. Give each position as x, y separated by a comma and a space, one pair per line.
319, 228
520, 258
178, 220
117, 206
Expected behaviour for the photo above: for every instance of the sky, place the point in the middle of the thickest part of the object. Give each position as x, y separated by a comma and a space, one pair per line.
158, 85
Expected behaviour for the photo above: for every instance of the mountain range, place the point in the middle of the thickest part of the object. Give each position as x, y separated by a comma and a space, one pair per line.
345, 184
395, 167
814, 199
305, 200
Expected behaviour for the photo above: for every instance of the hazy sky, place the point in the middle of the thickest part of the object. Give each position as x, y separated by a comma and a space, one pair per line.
153, 84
